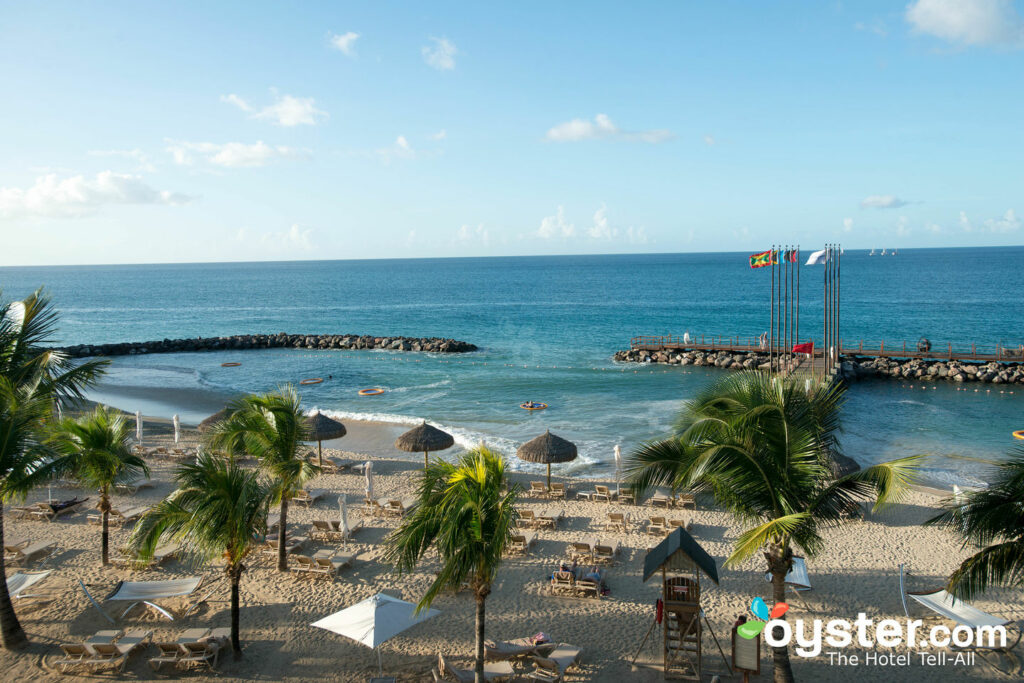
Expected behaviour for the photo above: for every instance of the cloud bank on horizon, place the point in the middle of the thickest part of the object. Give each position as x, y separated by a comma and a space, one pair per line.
359, 134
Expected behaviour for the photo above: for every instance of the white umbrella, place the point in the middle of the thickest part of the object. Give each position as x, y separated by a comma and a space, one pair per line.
374, 621
368, 469
618, 469
177, 429
138, 426
343, 505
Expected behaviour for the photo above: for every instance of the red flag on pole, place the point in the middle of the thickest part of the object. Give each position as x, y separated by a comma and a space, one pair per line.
807, 347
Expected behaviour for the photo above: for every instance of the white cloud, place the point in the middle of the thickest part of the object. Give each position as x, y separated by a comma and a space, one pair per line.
439, 135
639, 235
345, 42
286, 110
882, 201
1008, 222
440, 55
902, 227
933, 228
137, 155
602, 128
847, 224
468, 233
968, 22
81, 196
294, 238
399, 149
709, 140
601, 230
556, 226
876, 26
232, 154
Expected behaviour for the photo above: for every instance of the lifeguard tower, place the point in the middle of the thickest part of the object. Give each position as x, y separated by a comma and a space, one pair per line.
680, 561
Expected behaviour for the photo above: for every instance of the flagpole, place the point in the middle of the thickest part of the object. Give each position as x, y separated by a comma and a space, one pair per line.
824, 318
785, 320
778, 320
771, 329
839, 267
798, 265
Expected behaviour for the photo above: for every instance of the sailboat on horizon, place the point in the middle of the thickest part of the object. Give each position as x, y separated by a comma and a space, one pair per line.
883, 252
872, 253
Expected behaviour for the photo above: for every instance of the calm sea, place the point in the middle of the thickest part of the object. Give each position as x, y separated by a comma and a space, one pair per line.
547, 327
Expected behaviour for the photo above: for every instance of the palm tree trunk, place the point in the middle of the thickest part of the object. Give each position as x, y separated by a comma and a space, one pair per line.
105, 524
282, 554
481, 597
235, 574
10, 628
780, 560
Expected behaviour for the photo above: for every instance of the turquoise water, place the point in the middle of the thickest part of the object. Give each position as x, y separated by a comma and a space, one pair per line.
547, 327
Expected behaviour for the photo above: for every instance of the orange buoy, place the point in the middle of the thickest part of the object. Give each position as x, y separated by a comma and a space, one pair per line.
312, 380
371, 392
1019, 434
230, 365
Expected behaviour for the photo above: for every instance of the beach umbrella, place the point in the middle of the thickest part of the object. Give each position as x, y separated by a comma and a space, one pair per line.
368, 471
424, 439
618, 469
375, 621
547, 448
138, 426
322, 428
177, 428
343, 508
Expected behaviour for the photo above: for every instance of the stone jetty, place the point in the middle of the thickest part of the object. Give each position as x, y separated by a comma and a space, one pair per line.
850, 367
282, 340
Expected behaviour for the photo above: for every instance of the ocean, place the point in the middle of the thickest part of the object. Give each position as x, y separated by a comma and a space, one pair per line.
547, 328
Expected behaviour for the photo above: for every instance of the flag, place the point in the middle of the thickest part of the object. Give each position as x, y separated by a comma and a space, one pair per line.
790, 256
817, 258
765, 258
804, 348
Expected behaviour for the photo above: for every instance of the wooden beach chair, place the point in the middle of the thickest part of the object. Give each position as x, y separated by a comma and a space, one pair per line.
307, 496
520, 544
580, 551
660, 499
587, 585
563, 581
617, 521
330, 566
538, 488
605, 553
656, 526
686, 500
559, 490
625, 496
550, 517
527, 518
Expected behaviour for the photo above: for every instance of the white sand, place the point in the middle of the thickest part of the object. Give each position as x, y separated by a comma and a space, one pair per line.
857, 572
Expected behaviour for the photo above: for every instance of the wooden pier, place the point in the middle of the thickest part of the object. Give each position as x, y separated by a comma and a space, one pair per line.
973, 352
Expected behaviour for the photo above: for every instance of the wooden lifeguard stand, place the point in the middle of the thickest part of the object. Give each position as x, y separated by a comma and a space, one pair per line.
681, 560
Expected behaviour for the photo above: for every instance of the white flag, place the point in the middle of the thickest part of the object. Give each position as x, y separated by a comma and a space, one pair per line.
817, 258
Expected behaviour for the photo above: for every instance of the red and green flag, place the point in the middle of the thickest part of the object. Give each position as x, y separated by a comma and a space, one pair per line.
765, 258
790, 256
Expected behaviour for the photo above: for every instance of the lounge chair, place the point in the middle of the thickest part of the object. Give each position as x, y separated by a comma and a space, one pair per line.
493, 671
797, 579
115, 655
133, 487
558, 490
167, 653
600, 493
29, 552
160, 555
550, 517
605, 553
656, 526
527, 518
625, 496
586, 584
660, 499
51, 511
329, 566
512, 649
520, 544
554, 666
538, 488
74, 655
684, 500
292, 544
19, 583
200, 652
563, 582
307, 496
580, 551
945, 605
330, 530
617, 521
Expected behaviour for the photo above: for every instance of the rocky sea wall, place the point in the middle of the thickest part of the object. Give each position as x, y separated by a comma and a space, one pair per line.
850, 367
273, 341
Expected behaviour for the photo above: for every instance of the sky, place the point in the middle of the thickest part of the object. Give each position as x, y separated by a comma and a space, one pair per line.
143, 132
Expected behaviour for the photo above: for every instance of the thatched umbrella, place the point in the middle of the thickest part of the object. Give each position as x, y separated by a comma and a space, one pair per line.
425, 439
322, 428
547, 448
207, 424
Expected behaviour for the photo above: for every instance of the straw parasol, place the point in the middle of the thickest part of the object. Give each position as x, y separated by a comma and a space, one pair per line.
207, 424
322, 428
424, 438
547, 448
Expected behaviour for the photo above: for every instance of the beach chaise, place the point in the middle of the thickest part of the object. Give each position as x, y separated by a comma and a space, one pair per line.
684, 500
512, 649
625, 496
74, 655
538, 488
330, 530
308, 496
550, 517
199, 653
563, 582
945, 605
656, 526
160, 555
292, 544
134, 486
617, 521
558, 490
554, 666
29, 552
580, 551
521, 543
601, 493
19, 583
590, 582
605, 553
493, 671
527, 518
661, 499
115, 655
51, 511
330, 566
167, 653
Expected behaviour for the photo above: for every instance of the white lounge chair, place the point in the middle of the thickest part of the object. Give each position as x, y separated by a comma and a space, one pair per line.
554, 666
133, 487
493, 671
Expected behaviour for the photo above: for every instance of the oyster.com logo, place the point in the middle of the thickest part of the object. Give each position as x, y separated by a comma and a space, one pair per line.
759, 609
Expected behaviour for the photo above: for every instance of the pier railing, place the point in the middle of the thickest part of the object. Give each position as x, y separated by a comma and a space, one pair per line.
1001, 351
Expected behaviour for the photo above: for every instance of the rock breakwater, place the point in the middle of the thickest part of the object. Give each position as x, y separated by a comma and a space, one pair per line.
273, 341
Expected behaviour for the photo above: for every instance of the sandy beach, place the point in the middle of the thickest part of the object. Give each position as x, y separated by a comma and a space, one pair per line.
857, 572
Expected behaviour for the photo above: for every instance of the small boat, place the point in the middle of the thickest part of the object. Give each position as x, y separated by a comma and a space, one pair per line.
895, 251
872, 253
883, 252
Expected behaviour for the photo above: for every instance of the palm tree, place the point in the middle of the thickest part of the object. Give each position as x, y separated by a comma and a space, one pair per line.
218, 510
32, 377
466, 511
270, 427
764, 449
96, 450
992, 517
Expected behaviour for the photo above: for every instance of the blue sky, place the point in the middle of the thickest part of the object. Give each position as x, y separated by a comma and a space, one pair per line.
153, 132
